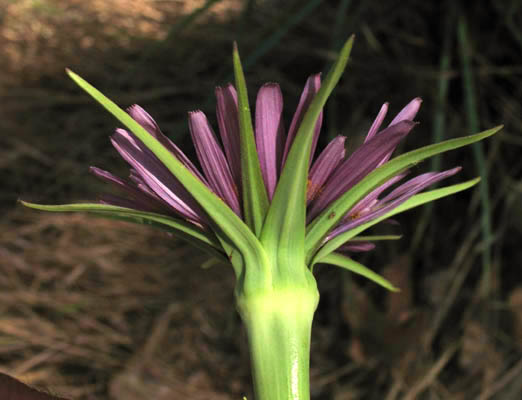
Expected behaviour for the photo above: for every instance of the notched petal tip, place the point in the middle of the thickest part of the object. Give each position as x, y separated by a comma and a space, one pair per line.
142, 117
227, 87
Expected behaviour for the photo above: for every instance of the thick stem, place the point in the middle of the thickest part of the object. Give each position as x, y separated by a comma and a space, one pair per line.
279, 324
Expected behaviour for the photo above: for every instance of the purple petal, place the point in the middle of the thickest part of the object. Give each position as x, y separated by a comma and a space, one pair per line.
371, 198
383, 207
136, 178
213, 160
420, 181
108, 177
356, 247
147, 201
143, 118
310, 90
377, 122
364, 160
228, 122
323, 167
269, 133
156, 176
114, 200
406, 114
409, 112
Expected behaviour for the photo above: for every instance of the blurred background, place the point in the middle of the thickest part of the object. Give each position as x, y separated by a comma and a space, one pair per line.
97, 309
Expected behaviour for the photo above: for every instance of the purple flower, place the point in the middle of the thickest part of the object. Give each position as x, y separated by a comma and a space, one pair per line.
152, 187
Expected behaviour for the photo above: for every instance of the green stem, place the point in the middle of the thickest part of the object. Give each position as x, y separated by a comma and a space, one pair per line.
279, 324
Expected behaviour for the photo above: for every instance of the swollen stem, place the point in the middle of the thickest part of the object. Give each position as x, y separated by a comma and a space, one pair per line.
279, 324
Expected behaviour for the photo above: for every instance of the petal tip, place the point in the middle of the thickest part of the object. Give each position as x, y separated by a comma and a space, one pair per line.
270, 85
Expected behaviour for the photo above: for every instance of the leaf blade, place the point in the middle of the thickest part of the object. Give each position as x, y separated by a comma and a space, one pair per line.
359, 269
284, 230
255, 197
181, 226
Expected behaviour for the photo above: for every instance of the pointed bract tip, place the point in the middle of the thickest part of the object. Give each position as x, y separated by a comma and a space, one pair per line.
234, 47
70, 72
26, 203
473, 182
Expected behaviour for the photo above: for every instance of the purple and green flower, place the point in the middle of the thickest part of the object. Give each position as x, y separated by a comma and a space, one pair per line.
265, 203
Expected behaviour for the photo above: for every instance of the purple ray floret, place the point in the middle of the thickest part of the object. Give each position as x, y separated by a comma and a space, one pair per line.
213, 160
393, 200
312, 86
377, 122
409, 112
371, 199
144, 119
139, 199
324, 166
364, 160
157, 177
269, 133
356, 247
228, 122
152, 187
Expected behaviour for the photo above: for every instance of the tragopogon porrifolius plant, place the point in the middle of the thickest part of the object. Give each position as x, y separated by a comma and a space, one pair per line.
266, 205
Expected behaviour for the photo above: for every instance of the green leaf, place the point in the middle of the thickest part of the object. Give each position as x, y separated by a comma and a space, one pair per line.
230, 225
255, 198
412, 202
284, 230
183, 229
321, 225
211, 251
351, 265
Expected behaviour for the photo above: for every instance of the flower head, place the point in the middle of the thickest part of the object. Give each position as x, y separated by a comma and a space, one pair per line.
151, 187
261, 198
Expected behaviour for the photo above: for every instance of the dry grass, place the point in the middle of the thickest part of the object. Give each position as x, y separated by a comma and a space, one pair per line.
80, 295
97, 309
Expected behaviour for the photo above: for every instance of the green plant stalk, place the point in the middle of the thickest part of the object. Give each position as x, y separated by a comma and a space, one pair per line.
279, 324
